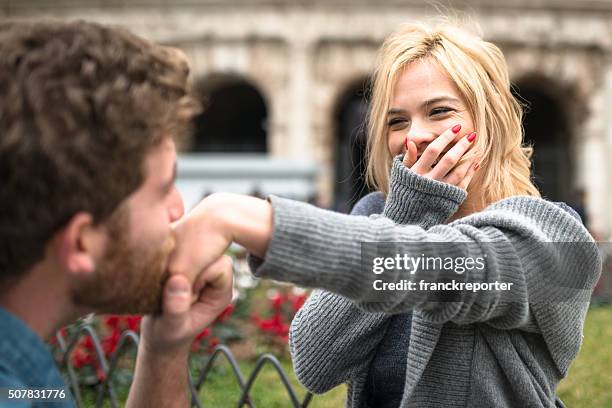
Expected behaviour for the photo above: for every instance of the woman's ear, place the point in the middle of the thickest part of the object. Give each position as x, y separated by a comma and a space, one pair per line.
79, 245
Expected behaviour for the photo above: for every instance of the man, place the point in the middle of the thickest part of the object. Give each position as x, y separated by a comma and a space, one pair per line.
88, 118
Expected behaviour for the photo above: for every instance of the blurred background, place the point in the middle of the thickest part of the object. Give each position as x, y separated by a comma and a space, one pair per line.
284, 80
284, 83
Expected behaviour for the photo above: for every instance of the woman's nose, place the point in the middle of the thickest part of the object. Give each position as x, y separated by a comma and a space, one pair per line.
421, 138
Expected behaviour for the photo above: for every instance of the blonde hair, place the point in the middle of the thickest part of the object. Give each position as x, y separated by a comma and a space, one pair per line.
479, 71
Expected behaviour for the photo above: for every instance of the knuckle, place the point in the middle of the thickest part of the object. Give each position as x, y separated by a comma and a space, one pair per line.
227, 262
447, 161
176, 268
433, 151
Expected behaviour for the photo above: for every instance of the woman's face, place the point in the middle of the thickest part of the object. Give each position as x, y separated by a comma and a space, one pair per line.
425, 103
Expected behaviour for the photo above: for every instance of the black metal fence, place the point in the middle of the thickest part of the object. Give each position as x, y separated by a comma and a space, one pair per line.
129, 341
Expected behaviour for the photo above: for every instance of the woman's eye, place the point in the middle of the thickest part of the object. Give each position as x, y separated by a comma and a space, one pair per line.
439, 111
397, 122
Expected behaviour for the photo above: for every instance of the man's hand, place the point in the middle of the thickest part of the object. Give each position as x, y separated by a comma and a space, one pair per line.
199, 288
161, 377
187, 309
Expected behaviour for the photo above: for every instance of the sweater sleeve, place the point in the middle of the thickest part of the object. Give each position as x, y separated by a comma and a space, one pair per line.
317, 248
414, 199
332, 340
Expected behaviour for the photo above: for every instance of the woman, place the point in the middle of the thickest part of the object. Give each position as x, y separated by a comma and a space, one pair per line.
442, 106
428, 78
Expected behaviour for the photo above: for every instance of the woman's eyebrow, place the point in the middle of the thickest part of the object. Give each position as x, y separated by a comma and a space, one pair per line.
432, 101
395, 111
440, 99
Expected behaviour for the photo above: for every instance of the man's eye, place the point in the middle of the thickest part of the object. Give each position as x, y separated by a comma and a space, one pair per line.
439, 111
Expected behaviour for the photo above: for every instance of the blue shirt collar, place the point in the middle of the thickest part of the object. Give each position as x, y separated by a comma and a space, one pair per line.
24, 356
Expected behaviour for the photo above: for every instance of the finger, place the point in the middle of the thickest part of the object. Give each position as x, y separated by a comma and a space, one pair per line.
216, 281
180, 261
176, 299
434, 149
468, 177
411, 153
216, 293
193, 233
452, 157
457, 174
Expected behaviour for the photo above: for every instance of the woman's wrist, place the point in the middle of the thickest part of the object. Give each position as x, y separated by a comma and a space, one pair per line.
246, 220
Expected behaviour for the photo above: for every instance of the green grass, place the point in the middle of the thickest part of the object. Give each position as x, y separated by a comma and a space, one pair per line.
589, 382
221, 389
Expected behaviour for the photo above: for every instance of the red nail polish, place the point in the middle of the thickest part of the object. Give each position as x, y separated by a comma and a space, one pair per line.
471, 137
406, 143
476, 166
456, 128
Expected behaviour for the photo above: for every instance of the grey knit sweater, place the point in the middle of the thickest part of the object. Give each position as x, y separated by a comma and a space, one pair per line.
481, 351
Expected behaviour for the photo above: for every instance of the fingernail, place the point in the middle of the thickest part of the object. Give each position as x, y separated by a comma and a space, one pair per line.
476, 166
177, 288
406, 143
456, 128
471, 137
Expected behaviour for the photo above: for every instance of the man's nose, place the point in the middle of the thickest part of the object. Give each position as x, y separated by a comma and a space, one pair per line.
176, 207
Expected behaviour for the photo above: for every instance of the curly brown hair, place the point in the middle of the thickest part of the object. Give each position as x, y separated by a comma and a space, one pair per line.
81, 105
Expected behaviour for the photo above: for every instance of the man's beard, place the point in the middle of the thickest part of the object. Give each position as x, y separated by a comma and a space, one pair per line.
128, 280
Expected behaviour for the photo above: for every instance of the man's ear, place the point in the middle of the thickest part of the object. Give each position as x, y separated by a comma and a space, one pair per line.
79, 244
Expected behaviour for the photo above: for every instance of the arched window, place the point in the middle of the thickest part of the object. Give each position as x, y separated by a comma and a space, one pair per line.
547, 130
234, 117
350, 125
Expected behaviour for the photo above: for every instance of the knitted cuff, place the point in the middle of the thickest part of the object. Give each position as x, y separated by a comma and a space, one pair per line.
414, 199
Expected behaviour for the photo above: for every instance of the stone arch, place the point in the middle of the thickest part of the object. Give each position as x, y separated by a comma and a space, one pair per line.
235, 116
349, 121
548, 125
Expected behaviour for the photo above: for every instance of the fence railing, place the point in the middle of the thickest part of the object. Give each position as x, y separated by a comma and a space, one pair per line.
129, 341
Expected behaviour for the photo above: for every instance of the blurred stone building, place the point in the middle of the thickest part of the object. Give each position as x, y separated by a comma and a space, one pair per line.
283, 81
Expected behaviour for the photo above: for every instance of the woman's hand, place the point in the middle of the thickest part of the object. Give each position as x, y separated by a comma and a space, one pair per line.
203, 235
446, 169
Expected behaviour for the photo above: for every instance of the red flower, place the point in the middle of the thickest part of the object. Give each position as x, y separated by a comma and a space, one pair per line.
110, 342
195, 346
133, 322
100, 374
112, 321
274, 325
298, 302
88, 343
226, 313
276, 301
212, 343
81, 358
204, 333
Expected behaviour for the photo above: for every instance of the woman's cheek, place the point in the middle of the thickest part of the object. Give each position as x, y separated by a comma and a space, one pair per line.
396, 142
